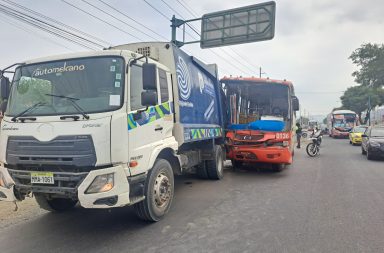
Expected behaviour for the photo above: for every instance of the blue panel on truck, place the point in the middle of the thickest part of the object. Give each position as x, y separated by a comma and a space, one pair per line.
198, 92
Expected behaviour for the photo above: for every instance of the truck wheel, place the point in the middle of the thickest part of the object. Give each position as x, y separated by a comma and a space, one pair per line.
215, 167
159, 191
55, 204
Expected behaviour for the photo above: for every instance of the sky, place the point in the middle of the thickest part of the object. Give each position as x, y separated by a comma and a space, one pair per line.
312, 43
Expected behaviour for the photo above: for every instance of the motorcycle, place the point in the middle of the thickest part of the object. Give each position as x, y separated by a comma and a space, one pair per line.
313, 147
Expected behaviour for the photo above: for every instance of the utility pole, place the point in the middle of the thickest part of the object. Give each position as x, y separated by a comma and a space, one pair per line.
260, 72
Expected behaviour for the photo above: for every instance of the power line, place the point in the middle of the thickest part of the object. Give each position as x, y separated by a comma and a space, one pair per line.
113, 8
121, 30
56, 22
195, 30
162, 14
194, 15
132, 27
45, 26
319, 92
5, 20
185, 5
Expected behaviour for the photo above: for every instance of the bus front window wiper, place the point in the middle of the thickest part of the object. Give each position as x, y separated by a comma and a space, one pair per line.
72, 101
27, 110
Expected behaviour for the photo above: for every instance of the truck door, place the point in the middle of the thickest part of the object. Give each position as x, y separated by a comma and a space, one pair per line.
147, 128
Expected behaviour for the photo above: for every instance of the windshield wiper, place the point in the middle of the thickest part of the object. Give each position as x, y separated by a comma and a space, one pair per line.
27, 110
72, 101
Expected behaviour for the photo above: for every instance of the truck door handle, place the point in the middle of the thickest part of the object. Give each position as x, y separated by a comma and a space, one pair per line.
158, 128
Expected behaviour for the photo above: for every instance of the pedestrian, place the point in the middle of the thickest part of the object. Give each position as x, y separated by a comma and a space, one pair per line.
299, 131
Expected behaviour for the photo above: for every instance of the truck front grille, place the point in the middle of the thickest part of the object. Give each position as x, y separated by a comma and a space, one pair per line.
72, 150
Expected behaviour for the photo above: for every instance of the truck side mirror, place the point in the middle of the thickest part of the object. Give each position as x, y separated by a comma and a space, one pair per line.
149, 76
149, 98
4, 87
295, 103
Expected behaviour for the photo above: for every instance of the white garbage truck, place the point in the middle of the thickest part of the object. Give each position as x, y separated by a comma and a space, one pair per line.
110, 128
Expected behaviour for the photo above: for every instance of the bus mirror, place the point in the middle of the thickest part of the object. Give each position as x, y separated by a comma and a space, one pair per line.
295, 103
4, 87
149, 76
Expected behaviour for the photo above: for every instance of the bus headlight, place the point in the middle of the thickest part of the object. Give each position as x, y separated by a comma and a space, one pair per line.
101, 183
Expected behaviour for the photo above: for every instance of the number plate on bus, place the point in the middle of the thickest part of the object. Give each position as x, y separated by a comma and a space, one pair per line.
42, 178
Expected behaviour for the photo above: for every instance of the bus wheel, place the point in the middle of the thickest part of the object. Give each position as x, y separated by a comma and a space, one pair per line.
236, 164
278, 167
159, 191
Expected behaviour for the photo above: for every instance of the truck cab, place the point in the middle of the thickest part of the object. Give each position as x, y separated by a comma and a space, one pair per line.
98, 129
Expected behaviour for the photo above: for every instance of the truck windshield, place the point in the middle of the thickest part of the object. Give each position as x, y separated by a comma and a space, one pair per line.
95, 83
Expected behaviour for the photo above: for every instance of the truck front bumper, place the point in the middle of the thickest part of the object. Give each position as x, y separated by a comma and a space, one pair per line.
116, 197
119, 195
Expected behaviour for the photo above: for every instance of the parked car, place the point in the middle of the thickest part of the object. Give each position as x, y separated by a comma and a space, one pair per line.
355, 134
373, 142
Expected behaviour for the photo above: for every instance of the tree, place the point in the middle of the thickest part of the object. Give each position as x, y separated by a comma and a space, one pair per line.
325, 120
356, 98
370, 60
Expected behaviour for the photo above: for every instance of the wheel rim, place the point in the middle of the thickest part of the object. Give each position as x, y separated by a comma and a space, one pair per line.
162, 190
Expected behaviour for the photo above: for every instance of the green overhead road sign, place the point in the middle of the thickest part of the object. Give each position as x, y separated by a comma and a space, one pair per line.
237, 26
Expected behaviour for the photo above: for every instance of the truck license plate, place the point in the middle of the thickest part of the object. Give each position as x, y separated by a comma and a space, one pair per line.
42, 178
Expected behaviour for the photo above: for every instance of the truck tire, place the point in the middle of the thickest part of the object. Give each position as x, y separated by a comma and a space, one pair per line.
55, 204
159, 191
215, 167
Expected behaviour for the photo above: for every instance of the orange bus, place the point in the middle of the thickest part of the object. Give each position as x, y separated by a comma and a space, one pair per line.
261, 121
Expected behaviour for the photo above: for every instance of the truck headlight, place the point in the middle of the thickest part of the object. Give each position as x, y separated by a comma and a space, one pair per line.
101, 183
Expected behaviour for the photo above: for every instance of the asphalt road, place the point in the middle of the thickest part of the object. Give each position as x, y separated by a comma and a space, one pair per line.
330, 203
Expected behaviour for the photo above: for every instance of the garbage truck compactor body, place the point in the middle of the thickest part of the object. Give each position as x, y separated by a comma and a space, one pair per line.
110, 128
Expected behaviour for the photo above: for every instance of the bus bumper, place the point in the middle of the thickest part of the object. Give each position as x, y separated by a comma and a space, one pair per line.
281, 155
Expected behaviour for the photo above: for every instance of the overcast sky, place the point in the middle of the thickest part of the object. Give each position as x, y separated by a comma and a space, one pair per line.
312, 43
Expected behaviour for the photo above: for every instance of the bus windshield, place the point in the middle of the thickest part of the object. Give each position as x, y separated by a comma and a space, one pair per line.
95, 84
255, 101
